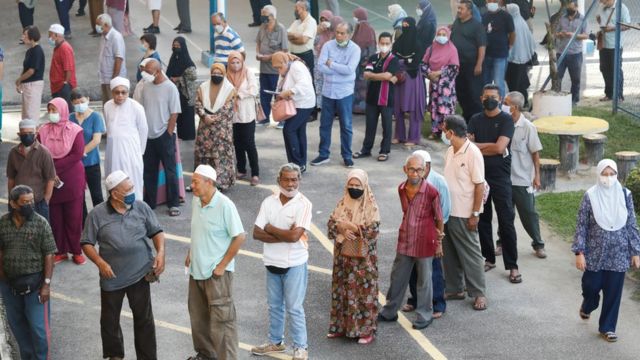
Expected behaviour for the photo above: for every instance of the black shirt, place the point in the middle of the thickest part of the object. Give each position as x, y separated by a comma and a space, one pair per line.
468, 36
34, 59
375, 65
498, 25
487, 130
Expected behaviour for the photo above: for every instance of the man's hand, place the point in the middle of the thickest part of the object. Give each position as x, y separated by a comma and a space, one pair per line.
581, 264
158, 264
105, 270
472, 223
218, 271
477, 70
44, 293
635, 261
536, 182
187, 260
439, 252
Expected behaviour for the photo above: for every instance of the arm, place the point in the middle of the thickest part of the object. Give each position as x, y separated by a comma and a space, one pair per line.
497, 148
480, 60
103, 267
386, 76
285, 235
478, 194
158, 262
67, 76
171, 125
297, 39
116, 67
27, 74
322, 60
143, 128
48, 273
95, 141
512, 39
351, 66
263, 236
232, 251
73, 157
11, 183
582, 233
536, 165
48, 190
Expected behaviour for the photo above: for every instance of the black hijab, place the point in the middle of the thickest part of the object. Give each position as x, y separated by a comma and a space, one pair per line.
180, 60
406, 47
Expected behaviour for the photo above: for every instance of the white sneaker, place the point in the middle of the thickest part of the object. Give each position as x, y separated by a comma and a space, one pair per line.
300, 354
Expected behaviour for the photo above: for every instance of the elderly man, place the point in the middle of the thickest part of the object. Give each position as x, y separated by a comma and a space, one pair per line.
338, 62
161, 102
111, 62
30, 163
62, 73
122, 227
525, 169
127, 130
281, 224
216, 236
225, 40
302, 33
26, 267
437, 276
419, 239
464, 172
492, 131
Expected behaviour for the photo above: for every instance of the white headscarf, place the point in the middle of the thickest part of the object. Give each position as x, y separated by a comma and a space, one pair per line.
609, 204
524, 46
119, 81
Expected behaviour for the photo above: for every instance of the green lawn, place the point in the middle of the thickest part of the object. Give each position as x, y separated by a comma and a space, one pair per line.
559, 210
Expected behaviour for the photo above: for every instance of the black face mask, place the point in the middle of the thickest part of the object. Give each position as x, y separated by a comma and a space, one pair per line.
27, 139
264, 19
571, 12
175, 50
355, 193
217, 79
490, 104
26, 211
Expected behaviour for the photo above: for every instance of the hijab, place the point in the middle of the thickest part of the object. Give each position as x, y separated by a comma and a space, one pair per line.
523, 47
608, 204
59, 137
180, 60
364, 36
218, 94
438, 55
360, 211
426, 28
236, 77
326, 34
284, 57
406, 47
396, 14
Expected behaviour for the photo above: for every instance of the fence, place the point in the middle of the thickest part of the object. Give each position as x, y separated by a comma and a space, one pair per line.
627, 46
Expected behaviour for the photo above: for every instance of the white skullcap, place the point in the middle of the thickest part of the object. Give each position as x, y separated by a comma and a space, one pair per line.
119, 81
423, 154
114, 179
206, 171
57, 29
27, 124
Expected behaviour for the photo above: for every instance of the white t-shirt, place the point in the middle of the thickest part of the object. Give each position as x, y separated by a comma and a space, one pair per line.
296, 210
307, 27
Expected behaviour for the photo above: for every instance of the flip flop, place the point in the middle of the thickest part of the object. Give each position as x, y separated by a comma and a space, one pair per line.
358, 155
174, 211
515, 279
407, 308
480, 304
488, 266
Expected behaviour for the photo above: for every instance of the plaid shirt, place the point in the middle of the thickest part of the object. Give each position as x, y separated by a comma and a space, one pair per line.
417, 236
23, 249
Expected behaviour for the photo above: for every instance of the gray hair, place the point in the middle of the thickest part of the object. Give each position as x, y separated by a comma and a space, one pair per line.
516, 99
304, 3
19, 190
271, 10
416, 157
348, 25
290, 167
457, 124
106, 19
221, 16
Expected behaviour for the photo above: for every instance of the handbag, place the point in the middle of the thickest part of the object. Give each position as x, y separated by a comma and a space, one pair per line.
283, 109
260, 116
25, 284
600, 35
356, 248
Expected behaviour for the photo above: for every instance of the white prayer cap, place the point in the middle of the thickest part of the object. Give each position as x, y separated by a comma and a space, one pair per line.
114, 179
119, 81
423, 154
27, 124
206, 171
57, 29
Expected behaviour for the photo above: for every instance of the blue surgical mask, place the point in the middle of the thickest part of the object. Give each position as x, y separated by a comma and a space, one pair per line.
51, 42
130, 198
492, 7
99, 29
441, 39
142, 48
81, 108
446, 141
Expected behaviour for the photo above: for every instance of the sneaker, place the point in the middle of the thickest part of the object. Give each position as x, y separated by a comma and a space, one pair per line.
348, 163
79, 259
148, 27
262, 123
80, 13
540, 253
280, 125
269, 348
60, 258
319, 161
300, 354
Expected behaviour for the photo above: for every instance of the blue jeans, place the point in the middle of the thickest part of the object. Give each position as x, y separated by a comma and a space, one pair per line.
573, 62
295, 137
267, 82
494, 70
288, 291
29, 322
344, 108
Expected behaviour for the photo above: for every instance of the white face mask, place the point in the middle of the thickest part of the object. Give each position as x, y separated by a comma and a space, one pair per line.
608, 180
326, 24
147, 77
219, 29
384, 49
54, 117
441, 39
356, 20
443, 136
290, 194
492, 7
419, 12
506, 108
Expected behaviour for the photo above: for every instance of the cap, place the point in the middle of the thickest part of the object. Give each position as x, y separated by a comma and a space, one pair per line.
114, 179
207, 171
27, 124
57, 29
118, 81
423, 154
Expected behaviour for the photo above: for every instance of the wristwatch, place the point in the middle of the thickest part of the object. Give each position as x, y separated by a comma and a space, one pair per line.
47, 281
475, 214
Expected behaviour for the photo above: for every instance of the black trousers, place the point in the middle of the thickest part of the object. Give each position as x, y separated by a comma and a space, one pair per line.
186, 123
94, 181
607, 68
144, 330
256, 6
160, 149
469, 89
65, 93
244, 140
26, 15
517, 78
500, 195
372, 112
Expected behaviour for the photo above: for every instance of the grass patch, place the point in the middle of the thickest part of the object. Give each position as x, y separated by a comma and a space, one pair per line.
623, 133
560, 211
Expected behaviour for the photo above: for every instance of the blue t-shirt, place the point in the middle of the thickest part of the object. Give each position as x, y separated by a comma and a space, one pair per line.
91, 125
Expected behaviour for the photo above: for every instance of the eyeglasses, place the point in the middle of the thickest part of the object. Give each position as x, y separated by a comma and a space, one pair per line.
121, 92
414, 170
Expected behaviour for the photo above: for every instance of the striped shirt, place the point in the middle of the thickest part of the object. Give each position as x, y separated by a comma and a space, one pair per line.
226, 42
417, 236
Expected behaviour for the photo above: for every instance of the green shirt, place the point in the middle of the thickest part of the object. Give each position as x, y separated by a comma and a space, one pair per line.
24, 248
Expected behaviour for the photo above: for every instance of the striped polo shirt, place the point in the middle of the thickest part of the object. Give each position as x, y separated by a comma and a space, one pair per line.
226, 42
417, 236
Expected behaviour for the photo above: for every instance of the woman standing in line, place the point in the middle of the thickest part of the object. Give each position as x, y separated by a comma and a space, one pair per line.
365, 37
30, 83
182, 71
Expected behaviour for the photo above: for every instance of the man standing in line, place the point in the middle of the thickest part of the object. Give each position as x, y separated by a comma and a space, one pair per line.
525, 169
26, 267
492, 131
62, 74
216, 237
281, 224
302, 33
112, 55
161, 102
464, 172
500, 38
184, 15
606, 19
570, 23
122, 227
226, 39
154, 6
419, 239
338, 62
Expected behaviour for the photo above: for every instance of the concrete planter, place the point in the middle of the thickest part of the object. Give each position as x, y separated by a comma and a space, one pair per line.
550, 103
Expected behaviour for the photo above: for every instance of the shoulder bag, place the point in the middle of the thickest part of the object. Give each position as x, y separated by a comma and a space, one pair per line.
600, 36
283, 109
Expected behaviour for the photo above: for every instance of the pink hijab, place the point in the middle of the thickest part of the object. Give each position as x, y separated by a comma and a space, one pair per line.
363, 35
327, 34
59, 137
438, 56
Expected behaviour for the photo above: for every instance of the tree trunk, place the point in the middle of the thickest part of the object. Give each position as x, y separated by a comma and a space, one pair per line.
556, 84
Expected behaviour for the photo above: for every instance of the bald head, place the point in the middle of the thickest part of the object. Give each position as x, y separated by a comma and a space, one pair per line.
154, 68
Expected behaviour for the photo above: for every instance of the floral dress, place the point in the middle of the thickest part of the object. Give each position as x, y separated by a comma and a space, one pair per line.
442, 95
214, 146
354, 288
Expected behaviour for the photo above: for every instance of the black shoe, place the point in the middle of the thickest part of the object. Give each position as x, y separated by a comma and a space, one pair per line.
148, 27
80, 13
254, 24
184, 31
422, 325
384, 319
178, 27
153, 30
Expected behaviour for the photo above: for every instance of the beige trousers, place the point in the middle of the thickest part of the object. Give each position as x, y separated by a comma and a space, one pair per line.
31, 99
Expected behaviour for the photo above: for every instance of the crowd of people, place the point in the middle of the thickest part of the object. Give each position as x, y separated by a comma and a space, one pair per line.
332, 67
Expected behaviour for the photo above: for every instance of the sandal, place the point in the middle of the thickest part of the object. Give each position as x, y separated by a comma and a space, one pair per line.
610, 336
395, 141
480, 304
407, 308
174, 211
358, 155
366, 340
488, 266
455, 296
515, 279
383, 157
437, 315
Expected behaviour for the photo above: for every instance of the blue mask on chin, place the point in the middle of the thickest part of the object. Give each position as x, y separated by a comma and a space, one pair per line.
129, 199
